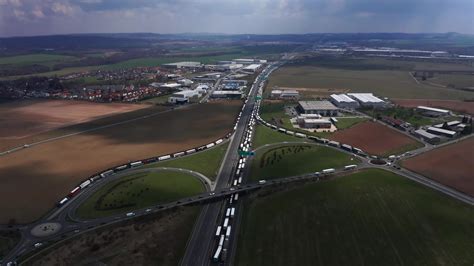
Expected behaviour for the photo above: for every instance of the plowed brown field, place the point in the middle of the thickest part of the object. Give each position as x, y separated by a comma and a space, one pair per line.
452, 165
21, 119
34, 179
375, 138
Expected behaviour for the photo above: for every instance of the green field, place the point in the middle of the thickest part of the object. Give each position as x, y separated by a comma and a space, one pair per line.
386, 83
453, 80
372, 217
139, 191
206, 162
265, 135
289, 160
8, 240
343, 123
30, 59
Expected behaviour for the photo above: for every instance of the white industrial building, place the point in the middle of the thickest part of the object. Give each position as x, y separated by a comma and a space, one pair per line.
252, 68
186, 64
434, 112
170, 86
442, 132
284, 94
182, 97
229, 67
344, 101
323, 108
311, 121
249, 61
227, 94
368, 100
428, 137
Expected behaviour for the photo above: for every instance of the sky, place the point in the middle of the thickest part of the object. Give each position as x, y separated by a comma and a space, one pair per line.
45, 17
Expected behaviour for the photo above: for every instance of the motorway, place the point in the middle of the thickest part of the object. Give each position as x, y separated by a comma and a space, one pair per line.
199, 248
201, 243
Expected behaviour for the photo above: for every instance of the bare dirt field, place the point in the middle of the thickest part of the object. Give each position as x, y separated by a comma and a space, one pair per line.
21, 119
451, 165
157, 241
458, 106
34, 179
375, 138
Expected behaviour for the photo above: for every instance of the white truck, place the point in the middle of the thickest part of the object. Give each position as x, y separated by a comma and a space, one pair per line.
329, 171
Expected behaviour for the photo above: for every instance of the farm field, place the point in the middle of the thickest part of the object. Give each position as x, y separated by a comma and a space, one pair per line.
139, 190
376, 139
207, 162
30, 117
58, 166
264, 135
91, 125
450, 165
372, 217
458, 106
386, 83
452, 80
289, 160
8, 240
29, 59
160, 240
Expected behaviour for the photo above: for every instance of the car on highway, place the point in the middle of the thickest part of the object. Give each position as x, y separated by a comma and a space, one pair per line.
37, 245
261, 182
212, 194
130, 214
148, 210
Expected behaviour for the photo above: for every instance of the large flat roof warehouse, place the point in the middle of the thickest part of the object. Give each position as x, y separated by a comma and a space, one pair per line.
366, 97
342, 98
431, 109
252, 67
446, 132
317, 105
184, 64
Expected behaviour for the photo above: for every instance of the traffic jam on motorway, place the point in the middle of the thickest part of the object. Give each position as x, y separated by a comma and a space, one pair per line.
224, 230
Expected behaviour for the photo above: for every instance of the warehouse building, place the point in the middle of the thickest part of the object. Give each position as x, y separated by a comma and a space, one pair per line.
182, 97
252, 68
229, 67
432, 112
285, 94
368, 100
428, 137
323, 108
249, 61
226, 95
344, 101
187, 64
442, 132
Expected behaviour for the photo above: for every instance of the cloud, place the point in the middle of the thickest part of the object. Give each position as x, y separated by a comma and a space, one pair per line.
26, 17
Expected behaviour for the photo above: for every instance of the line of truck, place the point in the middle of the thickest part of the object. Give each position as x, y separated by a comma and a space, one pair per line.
84, 184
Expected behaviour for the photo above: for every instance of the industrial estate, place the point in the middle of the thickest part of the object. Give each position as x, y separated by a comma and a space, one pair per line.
256, 151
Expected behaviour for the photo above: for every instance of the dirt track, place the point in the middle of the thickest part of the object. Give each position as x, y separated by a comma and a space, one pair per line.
373, 138
20, 119
459, 106
34, 179
452, 165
